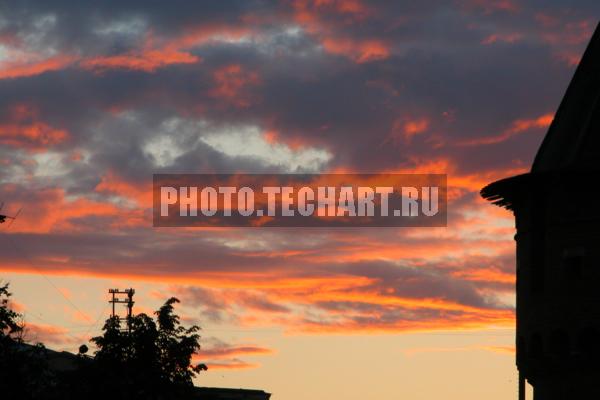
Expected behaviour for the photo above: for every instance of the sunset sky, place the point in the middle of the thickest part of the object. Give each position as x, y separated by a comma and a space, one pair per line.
95, 98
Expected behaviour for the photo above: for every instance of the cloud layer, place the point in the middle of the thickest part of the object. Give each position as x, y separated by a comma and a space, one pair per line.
96, 98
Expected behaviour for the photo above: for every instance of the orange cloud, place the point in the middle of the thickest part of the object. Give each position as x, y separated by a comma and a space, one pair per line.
232, 364
224, 356
49, 210
149, 58
309, 12
353, 7
231, 82
404, 129
33, 135
24, 130
152, 55
225, 352
253, 291
459, 182
572, 33
20, 69
112, 183
375, 325
491, 274
361, 51
565, 39
509, 350
412, 128
499, 37
361, 299
312, 15
145, 60
49, 334
517, 127
495, 349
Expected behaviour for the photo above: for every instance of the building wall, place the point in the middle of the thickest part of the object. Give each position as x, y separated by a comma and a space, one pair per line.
558, 288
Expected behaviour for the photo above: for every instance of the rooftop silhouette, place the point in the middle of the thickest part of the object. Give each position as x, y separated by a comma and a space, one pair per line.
558, 230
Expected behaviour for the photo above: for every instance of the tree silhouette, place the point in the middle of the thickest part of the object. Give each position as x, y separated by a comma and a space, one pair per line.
149, 359
21, 367
9, 326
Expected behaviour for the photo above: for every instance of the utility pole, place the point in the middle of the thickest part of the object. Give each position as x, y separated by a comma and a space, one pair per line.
128, 301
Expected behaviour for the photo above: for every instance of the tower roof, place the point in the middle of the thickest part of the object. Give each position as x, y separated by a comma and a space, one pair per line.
572, 144
573, 139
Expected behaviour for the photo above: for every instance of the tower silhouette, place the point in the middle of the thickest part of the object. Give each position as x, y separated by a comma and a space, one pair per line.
558, 246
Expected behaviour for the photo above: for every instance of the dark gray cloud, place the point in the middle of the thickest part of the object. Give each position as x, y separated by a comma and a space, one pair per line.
346, 81
437, 64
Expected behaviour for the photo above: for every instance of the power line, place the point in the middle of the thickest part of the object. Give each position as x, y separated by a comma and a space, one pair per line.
67, 331
31, 264
95, 325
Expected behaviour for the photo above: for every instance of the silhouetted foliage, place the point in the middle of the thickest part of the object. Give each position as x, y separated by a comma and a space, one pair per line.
9, 319
150, 360
22, 367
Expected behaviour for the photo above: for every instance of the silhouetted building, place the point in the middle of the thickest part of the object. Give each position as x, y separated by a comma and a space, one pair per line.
206, 393
558, 246
63, 361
